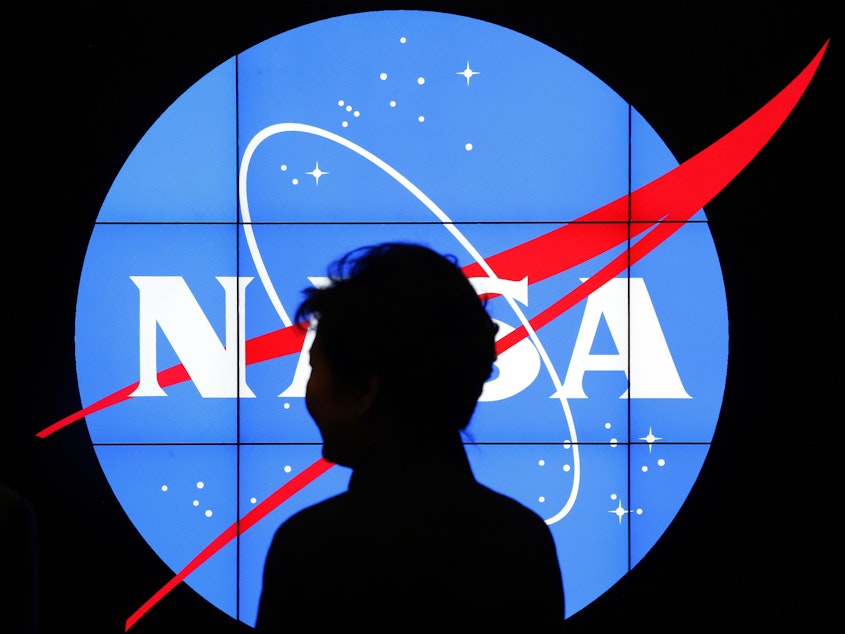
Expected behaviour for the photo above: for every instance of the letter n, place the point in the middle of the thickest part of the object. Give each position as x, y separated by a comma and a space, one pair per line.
217, 369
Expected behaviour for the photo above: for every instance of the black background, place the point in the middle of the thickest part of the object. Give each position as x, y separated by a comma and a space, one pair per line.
754, 543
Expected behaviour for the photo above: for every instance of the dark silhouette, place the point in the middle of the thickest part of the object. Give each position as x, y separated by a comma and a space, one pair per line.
402, 349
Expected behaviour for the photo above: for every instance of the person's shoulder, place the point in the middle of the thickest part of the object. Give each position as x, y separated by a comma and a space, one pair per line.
317, 514
510, 507
306, 527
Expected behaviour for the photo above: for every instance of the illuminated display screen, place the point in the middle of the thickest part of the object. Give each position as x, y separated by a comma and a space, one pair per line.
553, 191
367, 128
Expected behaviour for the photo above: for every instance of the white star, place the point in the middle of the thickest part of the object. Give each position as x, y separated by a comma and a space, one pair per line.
650, 439
619, 511
468, 73
316, 173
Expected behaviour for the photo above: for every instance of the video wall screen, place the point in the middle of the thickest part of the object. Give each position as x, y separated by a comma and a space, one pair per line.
555, 194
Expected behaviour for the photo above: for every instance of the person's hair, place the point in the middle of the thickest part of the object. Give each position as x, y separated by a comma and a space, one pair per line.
409, 316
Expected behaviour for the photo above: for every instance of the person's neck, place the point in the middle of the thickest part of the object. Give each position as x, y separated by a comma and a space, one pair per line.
398, 459
403, 444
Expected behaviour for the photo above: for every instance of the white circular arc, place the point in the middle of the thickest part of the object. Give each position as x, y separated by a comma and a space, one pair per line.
279, 128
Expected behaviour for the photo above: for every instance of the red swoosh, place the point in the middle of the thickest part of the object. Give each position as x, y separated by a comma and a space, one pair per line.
675, 196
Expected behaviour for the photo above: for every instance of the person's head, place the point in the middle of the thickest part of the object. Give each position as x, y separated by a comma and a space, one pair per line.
402, 337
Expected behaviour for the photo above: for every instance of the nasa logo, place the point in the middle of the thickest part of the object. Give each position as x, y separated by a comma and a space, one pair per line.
555, 195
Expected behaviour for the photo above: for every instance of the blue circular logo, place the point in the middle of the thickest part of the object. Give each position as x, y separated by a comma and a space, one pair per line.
398, 125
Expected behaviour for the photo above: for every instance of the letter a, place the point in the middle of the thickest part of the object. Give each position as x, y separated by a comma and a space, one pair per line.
652, 371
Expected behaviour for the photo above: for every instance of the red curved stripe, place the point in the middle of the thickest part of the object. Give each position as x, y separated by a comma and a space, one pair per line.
675, 196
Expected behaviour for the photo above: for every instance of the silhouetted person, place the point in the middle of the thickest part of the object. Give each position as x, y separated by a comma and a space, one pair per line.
402, 349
